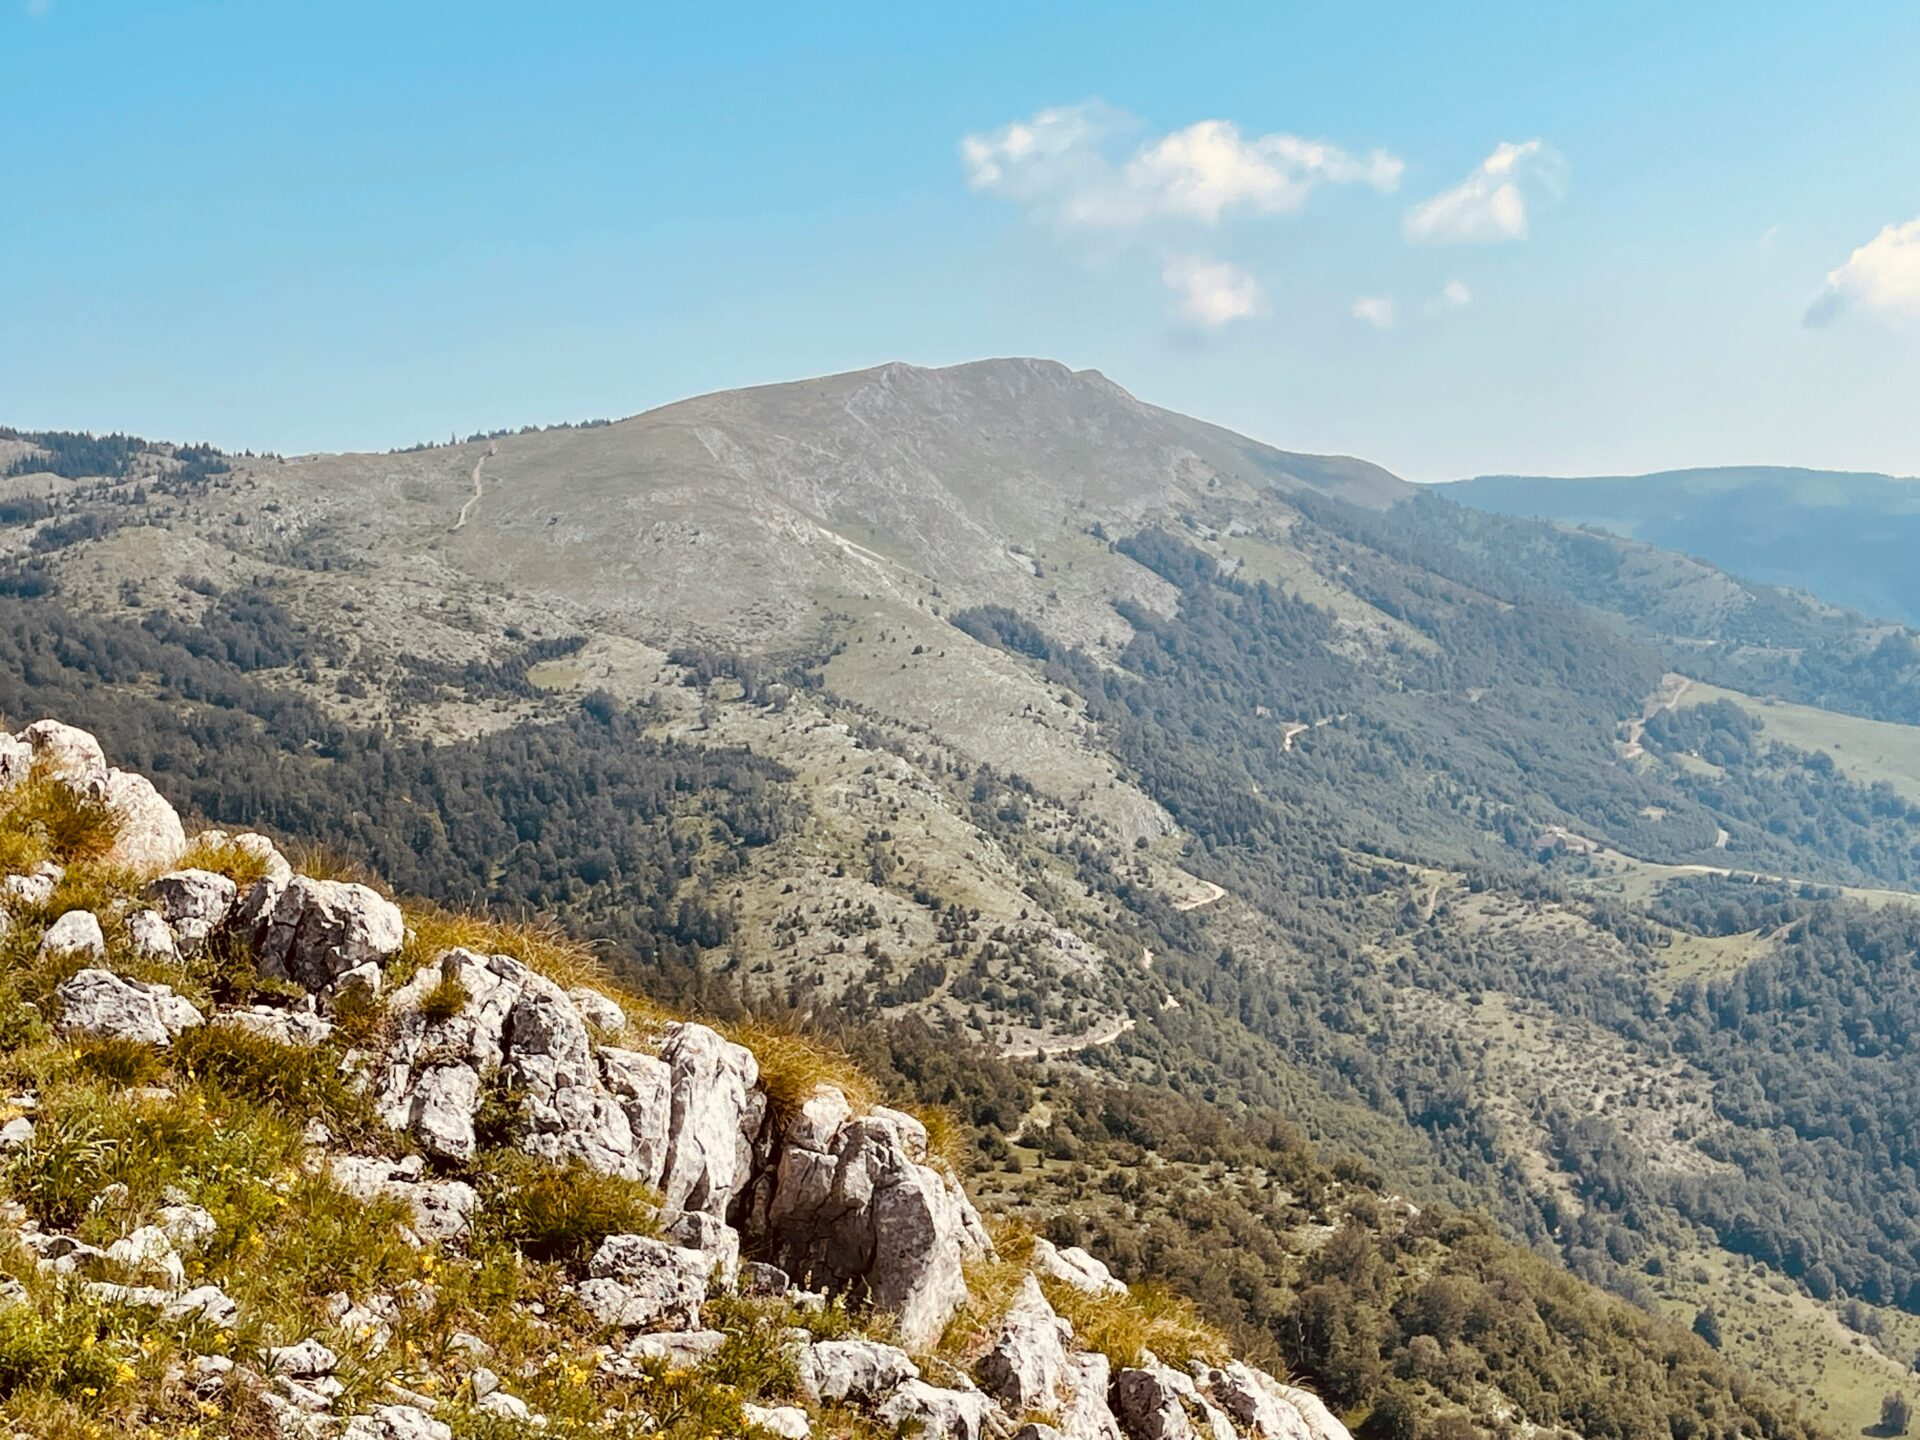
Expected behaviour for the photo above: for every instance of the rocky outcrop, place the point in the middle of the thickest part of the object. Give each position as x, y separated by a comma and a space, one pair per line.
850, 1204
317, 932
823, 1198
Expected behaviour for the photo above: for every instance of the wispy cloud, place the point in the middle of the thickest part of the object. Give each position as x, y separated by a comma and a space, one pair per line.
1374, 310
1212, 293
1882, 276
1086, 166
1490, 205
1454, 295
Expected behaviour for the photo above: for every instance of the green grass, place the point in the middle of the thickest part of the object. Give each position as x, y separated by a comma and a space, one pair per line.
1867, 751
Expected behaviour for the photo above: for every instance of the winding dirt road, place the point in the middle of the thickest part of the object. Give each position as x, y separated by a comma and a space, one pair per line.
467, 509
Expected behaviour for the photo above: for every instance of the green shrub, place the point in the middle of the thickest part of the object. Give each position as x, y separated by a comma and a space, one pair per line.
561, 1213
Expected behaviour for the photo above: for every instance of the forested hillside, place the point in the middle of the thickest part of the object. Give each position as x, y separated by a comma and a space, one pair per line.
1165, 769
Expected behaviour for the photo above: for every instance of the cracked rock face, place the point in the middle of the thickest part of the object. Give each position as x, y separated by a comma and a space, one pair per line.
194, 903
98, 1002
1028, 1362
318, 930
860, 1215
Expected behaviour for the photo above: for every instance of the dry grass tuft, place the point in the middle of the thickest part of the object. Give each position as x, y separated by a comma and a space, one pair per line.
433, 930
239, 865
41, 818
1149, 1317
793, 1066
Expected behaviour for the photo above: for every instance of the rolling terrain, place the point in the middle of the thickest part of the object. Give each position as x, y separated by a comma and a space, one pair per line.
1843, 536
1541, 872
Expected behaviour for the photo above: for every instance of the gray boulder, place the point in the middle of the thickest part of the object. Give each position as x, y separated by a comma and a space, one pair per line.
1028, 1361
1147, 1405
643, 1087
788, 1422
922, 1409
194, 903
858, 1372
1085, 1415
638, 1283
318, 930
442, 1210
302, 1029
98, 1002
1076, 1267
75, 933
70, 754
150, 836
149, 936
859, 1214
396, 1422
715, 1114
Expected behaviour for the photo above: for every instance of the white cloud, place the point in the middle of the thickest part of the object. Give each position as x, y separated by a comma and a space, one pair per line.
1374, 310
1213, 293
1490, 205
1883, 276
1453, 295
1067, 165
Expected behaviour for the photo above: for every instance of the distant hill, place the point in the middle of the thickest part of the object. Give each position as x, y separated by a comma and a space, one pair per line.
1846, 537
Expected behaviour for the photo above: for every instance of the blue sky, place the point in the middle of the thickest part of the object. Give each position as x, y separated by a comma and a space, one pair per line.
297, 226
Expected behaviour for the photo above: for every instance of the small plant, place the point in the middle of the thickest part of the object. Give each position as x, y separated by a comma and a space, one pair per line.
122, 1062
444, 1001
62, 1168
561, 1213
293, 1080
54, 1347
242, 866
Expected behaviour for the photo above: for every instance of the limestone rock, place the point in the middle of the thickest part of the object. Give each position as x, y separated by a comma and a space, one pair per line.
1028, 1361
75, 933
1148, 1406
1076, 1267
643, 1086
98, 1002
601, 1012
443, 1210
16, 760
716, 1112
856, 1371
678, 1350
927, 1410
149, 1248
194, 903
318, 930
862, 1214
208, 1303
16, 1134
151, 836
640, 1283
303, 1360
396, 1422
1085, 1415
302, 1029
789, 1422
187, 1227
72, 755
37, 887
149, 937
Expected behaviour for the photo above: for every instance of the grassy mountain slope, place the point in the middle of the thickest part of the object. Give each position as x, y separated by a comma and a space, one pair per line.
997, 700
